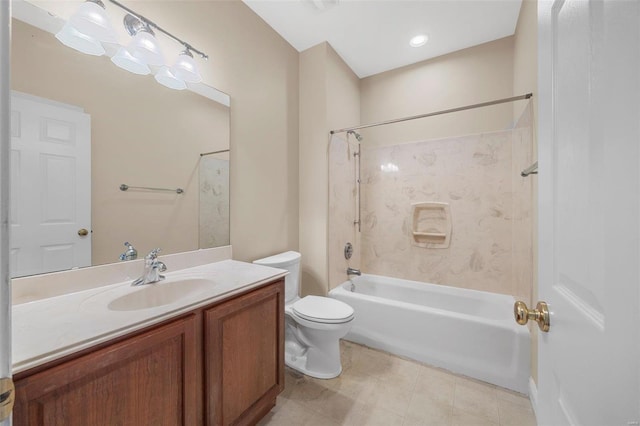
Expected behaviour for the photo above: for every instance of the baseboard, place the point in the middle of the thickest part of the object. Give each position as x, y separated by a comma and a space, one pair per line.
533, 396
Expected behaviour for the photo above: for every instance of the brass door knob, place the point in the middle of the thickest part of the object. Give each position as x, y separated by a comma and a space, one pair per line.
540, 314
83, 232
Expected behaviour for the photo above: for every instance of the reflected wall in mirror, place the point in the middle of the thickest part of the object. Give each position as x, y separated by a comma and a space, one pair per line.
141, 134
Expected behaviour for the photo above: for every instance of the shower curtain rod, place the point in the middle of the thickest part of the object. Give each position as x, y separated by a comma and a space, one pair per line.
431, 114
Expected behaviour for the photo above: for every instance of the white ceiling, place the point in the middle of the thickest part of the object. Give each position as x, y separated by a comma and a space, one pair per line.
373, 36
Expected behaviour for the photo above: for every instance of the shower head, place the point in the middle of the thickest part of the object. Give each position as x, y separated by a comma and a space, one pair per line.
356, 134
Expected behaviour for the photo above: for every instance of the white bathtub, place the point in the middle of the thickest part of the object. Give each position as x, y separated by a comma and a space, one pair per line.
465, 331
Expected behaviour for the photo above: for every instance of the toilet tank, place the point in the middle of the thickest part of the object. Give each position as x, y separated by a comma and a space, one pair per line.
290, 261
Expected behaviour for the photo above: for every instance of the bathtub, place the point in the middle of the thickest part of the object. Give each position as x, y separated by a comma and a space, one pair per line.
464, 331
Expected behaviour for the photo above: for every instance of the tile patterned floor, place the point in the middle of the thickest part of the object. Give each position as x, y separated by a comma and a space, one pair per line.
377, 388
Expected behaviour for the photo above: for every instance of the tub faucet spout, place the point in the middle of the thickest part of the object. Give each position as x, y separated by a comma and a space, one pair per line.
353, 271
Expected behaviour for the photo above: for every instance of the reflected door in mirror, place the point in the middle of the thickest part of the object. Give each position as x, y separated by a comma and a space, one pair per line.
50, 186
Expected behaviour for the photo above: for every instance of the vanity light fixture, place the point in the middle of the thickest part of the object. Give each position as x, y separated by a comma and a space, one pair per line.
125, 60
87, 28
91, 20
165, 77
90, 26
419, 40
144, 45
74, 39
185, 68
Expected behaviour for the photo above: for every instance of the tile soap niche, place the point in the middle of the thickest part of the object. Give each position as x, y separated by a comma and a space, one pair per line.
431, 225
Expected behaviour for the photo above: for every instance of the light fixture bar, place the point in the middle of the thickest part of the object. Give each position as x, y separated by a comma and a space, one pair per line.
162, 30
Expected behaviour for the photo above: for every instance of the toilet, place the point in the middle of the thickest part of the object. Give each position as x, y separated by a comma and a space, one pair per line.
313, 324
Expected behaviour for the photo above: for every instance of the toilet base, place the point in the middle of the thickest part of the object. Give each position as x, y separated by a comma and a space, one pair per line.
299, 364
313, 352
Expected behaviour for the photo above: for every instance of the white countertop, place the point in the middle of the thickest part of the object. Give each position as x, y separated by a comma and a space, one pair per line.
50, 328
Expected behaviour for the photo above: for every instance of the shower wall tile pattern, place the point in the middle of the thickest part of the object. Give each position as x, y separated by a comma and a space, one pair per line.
490, 205
473, 175
523, 205
213, 202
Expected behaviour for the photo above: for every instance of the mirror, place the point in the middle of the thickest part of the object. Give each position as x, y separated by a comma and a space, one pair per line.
132, 131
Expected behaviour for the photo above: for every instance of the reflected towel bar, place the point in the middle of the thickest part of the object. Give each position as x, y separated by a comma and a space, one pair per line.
125, 187
531, 170
213, 152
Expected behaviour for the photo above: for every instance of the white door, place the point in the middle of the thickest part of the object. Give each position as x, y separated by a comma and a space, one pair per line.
589, 191
50, 186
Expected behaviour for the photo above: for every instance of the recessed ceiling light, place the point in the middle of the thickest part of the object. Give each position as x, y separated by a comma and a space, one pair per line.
419, 40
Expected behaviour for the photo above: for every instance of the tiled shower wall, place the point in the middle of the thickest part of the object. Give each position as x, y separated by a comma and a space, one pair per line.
342, 207
523, 205
490, 206
214, 202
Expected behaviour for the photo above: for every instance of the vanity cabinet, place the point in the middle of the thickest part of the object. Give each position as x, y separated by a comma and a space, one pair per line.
143, 380
217, 365
243, 356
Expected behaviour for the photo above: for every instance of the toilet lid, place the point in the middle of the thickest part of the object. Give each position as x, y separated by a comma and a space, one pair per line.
323, 309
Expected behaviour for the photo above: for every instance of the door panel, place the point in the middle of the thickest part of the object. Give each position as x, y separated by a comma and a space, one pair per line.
589, 58
51, 186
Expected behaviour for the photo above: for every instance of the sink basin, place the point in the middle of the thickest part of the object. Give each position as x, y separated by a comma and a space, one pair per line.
159, 294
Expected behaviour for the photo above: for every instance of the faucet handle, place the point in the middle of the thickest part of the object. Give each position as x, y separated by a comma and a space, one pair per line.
153, 254
130, 254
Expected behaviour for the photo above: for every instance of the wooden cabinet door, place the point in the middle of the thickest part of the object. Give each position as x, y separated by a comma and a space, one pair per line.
150, 379
244, 356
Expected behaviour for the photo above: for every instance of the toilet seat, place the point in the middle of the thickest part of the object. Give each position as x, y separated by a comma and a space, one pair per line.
323, 310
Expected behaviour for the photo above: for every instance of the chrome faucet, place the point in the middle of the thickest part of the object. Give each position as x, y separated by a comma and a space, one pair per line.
152, 269
130, 254
353, 271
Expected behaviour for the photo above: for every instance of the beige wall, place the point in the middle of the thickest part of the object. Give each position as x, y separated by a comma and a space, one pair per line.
477, 74
313, 170
134, 138
525, 56
343, 93
525, 79
259, 70
329, 99
343, 110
